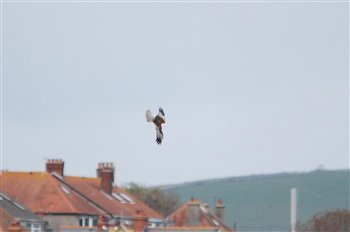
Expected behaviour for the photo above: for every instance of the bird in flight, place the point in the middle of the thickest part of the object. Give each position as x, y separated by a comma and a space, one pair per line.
158, 121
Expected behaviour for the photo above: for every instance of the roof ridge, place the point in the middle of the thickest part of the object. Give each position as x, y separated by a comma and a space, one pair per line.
61, 194
81, 177
178, 209
84, 197
212, 217
20, 172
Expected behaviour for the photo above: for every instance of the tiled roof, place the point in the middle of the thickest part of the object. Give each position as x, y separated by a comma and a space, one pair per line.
5, 220
206, 219
18, 211
186, 228
119, 203
42, 192
78, 229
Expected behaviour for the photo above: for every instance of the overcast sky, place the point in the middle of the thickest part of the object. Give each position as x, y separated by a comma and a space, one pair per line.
247, 88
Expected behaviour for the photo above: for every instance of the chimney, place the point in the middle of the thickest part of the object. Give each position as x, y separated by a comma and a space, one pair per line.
105, 171
193, 212
41, 213
102, 224
140, 221
15, 227
55, 165
220, 208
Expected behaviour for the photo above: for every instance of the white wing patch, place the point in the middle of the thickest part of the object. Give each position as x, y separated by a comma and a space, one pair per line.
149, 116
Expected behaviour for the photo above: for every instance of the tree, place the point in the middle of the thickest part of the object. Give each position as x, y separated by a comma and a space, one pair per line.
165, 203
329, 221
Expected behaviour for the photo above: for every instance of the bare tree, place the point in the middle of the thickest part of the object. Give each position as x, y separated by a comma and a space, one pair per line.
165, 203
330, 221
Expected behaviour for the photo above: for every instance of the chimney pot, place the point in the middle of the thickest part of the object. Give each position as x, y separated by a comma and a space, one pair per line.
55, 165
193, 212
220, 208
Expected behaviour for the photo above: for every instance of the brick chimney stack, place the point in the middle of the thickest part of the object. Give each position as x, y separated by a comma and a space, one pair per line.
105, 171
220, 209
55, 165
102, 223
140, 221
193, 212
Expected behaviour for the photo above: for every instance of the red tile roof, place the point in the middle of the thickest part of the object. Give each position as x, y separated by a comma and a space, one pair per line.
187, 228
49, 193
90, 187
42, 192
206, 218
5, 220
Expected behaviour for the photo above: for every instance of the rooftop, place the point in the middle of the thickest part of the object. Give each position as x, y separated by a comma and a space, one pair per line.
206, 219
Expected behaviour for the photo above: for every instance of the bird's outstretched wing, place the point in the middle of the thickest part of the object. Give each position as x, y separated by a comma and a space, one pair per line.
158, 120
149, 116
159, 135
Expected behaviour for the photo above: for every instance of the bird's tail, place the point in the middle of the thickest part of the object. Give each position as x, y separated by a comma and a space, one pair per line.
149, 116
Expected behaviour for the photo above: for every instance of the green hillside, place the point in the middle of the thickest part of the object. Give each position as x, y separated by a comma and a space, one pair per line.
262, 202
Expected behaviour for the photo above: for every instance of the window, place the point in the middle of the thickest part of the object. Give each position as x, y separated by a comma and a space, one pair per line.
36, 228
65, 189
94, 222
127, 198
120, 198
123, 198
33, 227
87, 221
152, 225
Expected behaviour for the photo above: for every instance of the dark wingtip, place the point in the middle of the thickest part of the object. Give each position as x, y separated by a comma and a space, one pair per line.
161, 110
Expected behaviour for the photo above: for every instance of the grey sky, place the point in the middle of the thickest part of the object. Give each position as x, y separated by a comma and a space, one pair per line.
247, 88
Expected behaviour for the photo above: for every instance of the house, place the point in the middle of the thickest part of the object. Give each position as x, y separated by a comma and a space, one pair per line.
16, 217
195, 216
139, 224
120, 205
45, 195
71, 203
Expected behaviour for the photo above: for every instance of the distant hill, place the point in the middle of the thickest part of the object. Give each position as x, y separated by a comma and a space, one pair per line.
262, 202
